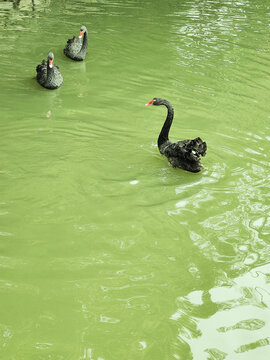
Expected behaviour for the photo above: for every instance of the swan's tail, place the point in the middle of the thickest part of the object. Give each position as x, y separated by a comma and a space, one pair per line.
40, 66
202, 147
197, 148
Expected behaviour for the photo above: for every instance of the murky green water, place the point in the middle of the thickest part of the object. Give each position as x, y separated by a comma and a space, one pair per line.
106, 252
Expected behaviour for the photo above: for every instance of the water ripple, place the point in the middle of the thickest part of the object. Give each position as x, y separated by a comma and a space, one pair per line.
224, 330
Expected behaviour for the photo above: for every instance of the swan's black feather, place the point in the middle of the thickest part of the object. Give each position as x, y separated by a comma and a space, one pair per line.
76, 48
50, 78
71, 40
184, 154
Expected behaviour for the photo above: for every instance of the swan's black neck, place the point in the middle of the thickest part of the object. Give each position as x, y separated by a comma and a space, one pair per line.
85, 42
49, 71
164, 134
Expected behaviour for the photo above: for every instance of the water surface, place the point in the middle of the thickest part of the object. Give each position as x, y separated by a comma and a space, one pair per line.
107, 252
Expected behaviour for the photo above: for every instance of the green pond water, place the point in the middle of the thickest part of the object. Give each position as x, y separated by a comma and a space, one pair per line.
107, 252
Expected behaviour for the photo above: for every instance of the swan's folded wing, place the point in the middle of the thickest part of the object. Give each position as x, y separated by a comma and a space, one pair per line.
189, 150
177, 149
197, 146
71, 40
73, 46
41, 66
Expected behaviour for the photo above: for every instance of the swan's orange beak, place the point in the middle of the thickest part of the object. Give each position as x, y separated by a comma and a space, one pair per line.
150, 103
50, 63
81, 34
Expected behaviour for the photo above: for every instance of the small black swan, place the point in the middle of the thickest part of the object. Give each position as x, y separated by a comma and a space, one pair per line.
183, 154
48, 75
76, 48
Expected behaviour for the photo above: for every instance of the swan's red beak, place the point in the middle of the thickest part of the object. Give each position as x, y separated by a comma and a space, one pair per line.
81, 34
150, 103
50, 63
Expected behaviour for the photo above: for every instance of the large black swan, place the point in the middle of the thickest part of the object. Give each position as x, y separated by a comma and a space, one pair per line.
48, 74
76, 47
183, 154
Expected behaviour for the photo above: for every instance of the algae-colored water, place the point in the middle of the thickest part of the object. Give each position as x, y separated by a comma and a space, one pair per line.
106, 252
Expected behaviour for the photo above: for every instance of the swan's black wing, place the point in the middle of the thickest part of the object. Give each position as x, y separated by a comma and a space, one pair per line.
73, 46
41, 66
185, 154
55, 80
70, 41
186, 149
41, 70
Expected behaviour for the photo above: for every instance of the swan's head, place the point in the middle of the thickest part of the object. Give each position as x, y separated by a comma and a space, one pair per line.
50, 59
82, 31
156, 101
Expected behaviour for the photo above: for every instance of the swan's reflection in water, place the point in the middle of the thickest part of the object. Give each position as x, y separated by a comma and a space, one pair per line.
237, 329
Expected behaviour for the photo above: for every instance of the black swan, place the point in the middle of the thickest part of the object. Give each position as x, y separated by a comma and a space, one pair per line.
76, 48
48, 74
183, 154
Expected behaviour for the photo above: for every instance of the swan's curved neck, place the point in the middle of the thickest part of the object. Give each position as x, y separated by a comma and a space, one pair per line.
49, 71
164, 134
85, 42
